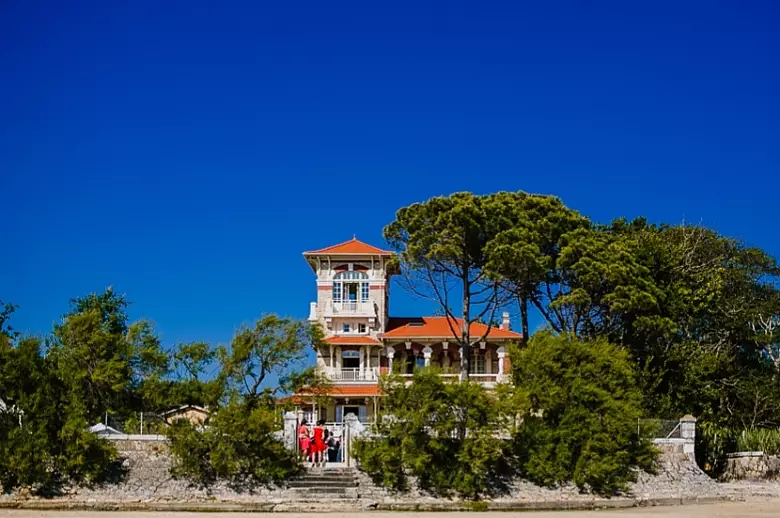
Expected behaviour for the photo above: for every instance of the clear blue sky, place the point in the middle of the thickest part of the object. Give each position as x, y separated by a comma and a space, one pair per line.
188, 152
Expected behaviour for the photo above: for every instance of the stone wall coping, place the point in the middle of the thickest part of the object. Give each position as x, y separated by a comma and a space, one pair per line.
741, 454
670, 440
134, 437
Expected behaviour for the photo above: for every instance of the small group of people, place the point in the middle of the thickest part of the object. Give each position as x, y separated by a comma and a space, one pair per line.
317, 444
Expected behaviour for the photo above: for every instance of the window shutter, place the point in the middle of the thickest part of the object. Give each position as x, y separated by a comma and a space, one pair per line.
339, 414
362, 414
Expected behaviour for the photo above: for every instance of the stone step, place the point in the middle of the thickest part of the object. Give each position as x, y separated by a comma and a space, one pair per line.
334, 471
321, 483
320, 491
343, 481
327, 476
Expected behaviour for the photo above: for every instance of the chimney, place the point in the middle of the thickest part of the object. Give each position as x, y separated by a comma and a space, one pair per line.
505, 321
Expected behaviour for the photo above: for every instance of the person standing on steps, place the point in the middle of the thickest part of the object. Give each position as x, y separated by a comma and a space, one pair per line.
319, 446
303, 439
326, 436
333, 449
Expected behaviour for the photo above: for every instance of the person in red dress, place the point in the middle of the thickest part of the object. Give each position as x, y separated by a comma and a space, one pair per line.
318, 447
303, 439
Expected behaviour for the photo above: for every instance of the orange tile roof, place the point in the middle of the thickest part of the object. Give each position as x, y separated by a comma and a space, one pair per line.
351, 247
352, 340
344, 390
439, 327
355, 390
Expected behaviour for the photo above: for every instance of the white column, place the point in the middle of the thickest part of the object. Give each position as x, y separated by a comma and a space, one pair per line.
362, 360
427, 351
338, 358
390, 355
501, 354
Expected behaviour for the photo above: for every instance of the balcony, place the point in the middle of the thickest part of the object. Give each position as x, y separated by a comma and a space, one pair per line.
351, 308
347, 375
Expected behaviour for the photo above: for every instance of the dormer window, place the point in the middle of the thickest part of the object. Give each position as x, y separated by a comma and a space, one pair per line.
350, 286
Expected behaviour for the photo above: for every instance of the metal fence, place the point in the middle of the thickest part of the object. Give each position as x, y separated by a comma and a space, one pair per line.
140, 423
659, 428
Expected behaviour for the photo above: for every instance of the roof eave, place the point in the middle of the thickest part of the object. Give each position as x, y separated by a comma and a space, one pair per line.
349, 254
450, 337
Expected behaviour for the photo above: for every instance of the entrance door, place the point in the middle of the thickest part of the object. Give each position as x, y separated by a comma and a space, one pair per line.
351, 410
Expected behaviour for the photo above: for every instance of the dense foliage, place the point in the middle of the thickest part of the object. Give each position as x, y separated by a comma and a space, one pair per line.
697, 312
239, 444
583, 407
41, 443
97, 365
572, 415
445, 435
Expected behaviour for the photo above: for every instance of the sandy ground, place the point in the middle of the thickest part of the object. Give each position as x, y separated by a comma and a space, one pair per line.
723, 510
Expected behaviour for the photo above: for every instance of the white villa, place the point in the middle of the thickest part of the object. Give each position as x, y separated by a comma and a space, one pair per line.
363, 341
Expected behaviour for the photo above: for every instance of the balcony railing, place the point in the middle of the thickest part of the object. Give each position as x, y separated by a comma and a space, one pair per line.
353, 375
352, 307
478, 378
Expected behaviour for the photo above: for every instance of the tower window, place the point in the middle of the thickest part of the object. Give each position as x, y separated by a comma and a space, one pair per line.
346, 328
348, 286
361, 328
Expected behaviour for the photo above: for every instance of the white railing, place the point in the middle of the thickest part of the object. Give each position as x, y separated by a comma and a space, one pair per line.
352, 307
369, 374
479, 378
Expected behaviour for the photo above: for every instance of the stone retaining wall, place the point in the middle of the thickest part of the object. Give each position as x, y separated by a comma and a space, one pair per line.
147, 481
752, 466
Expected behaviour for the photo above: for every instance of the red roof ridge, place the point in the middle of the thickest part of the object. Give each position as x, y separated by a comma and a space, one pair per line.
350, 247
438, 327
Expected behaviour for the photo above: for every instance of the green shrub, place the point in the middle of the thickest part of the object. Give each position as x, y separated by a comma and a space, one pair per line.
51, 445
238, 446
380, 458
443, 434
580, 405
713, 442
760, 439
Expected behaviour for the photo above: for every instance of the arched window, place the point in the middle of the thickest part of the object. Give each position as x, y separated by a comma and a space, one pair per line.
350, 286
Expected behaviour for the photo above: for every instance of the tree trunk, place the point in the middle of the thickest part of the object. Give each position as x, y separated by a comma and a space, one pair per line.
465, 339
524, 318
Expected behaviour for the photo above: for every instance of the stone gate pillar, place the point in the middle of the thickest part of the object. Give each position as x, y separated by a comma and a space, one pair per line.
688, 433
290, 431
